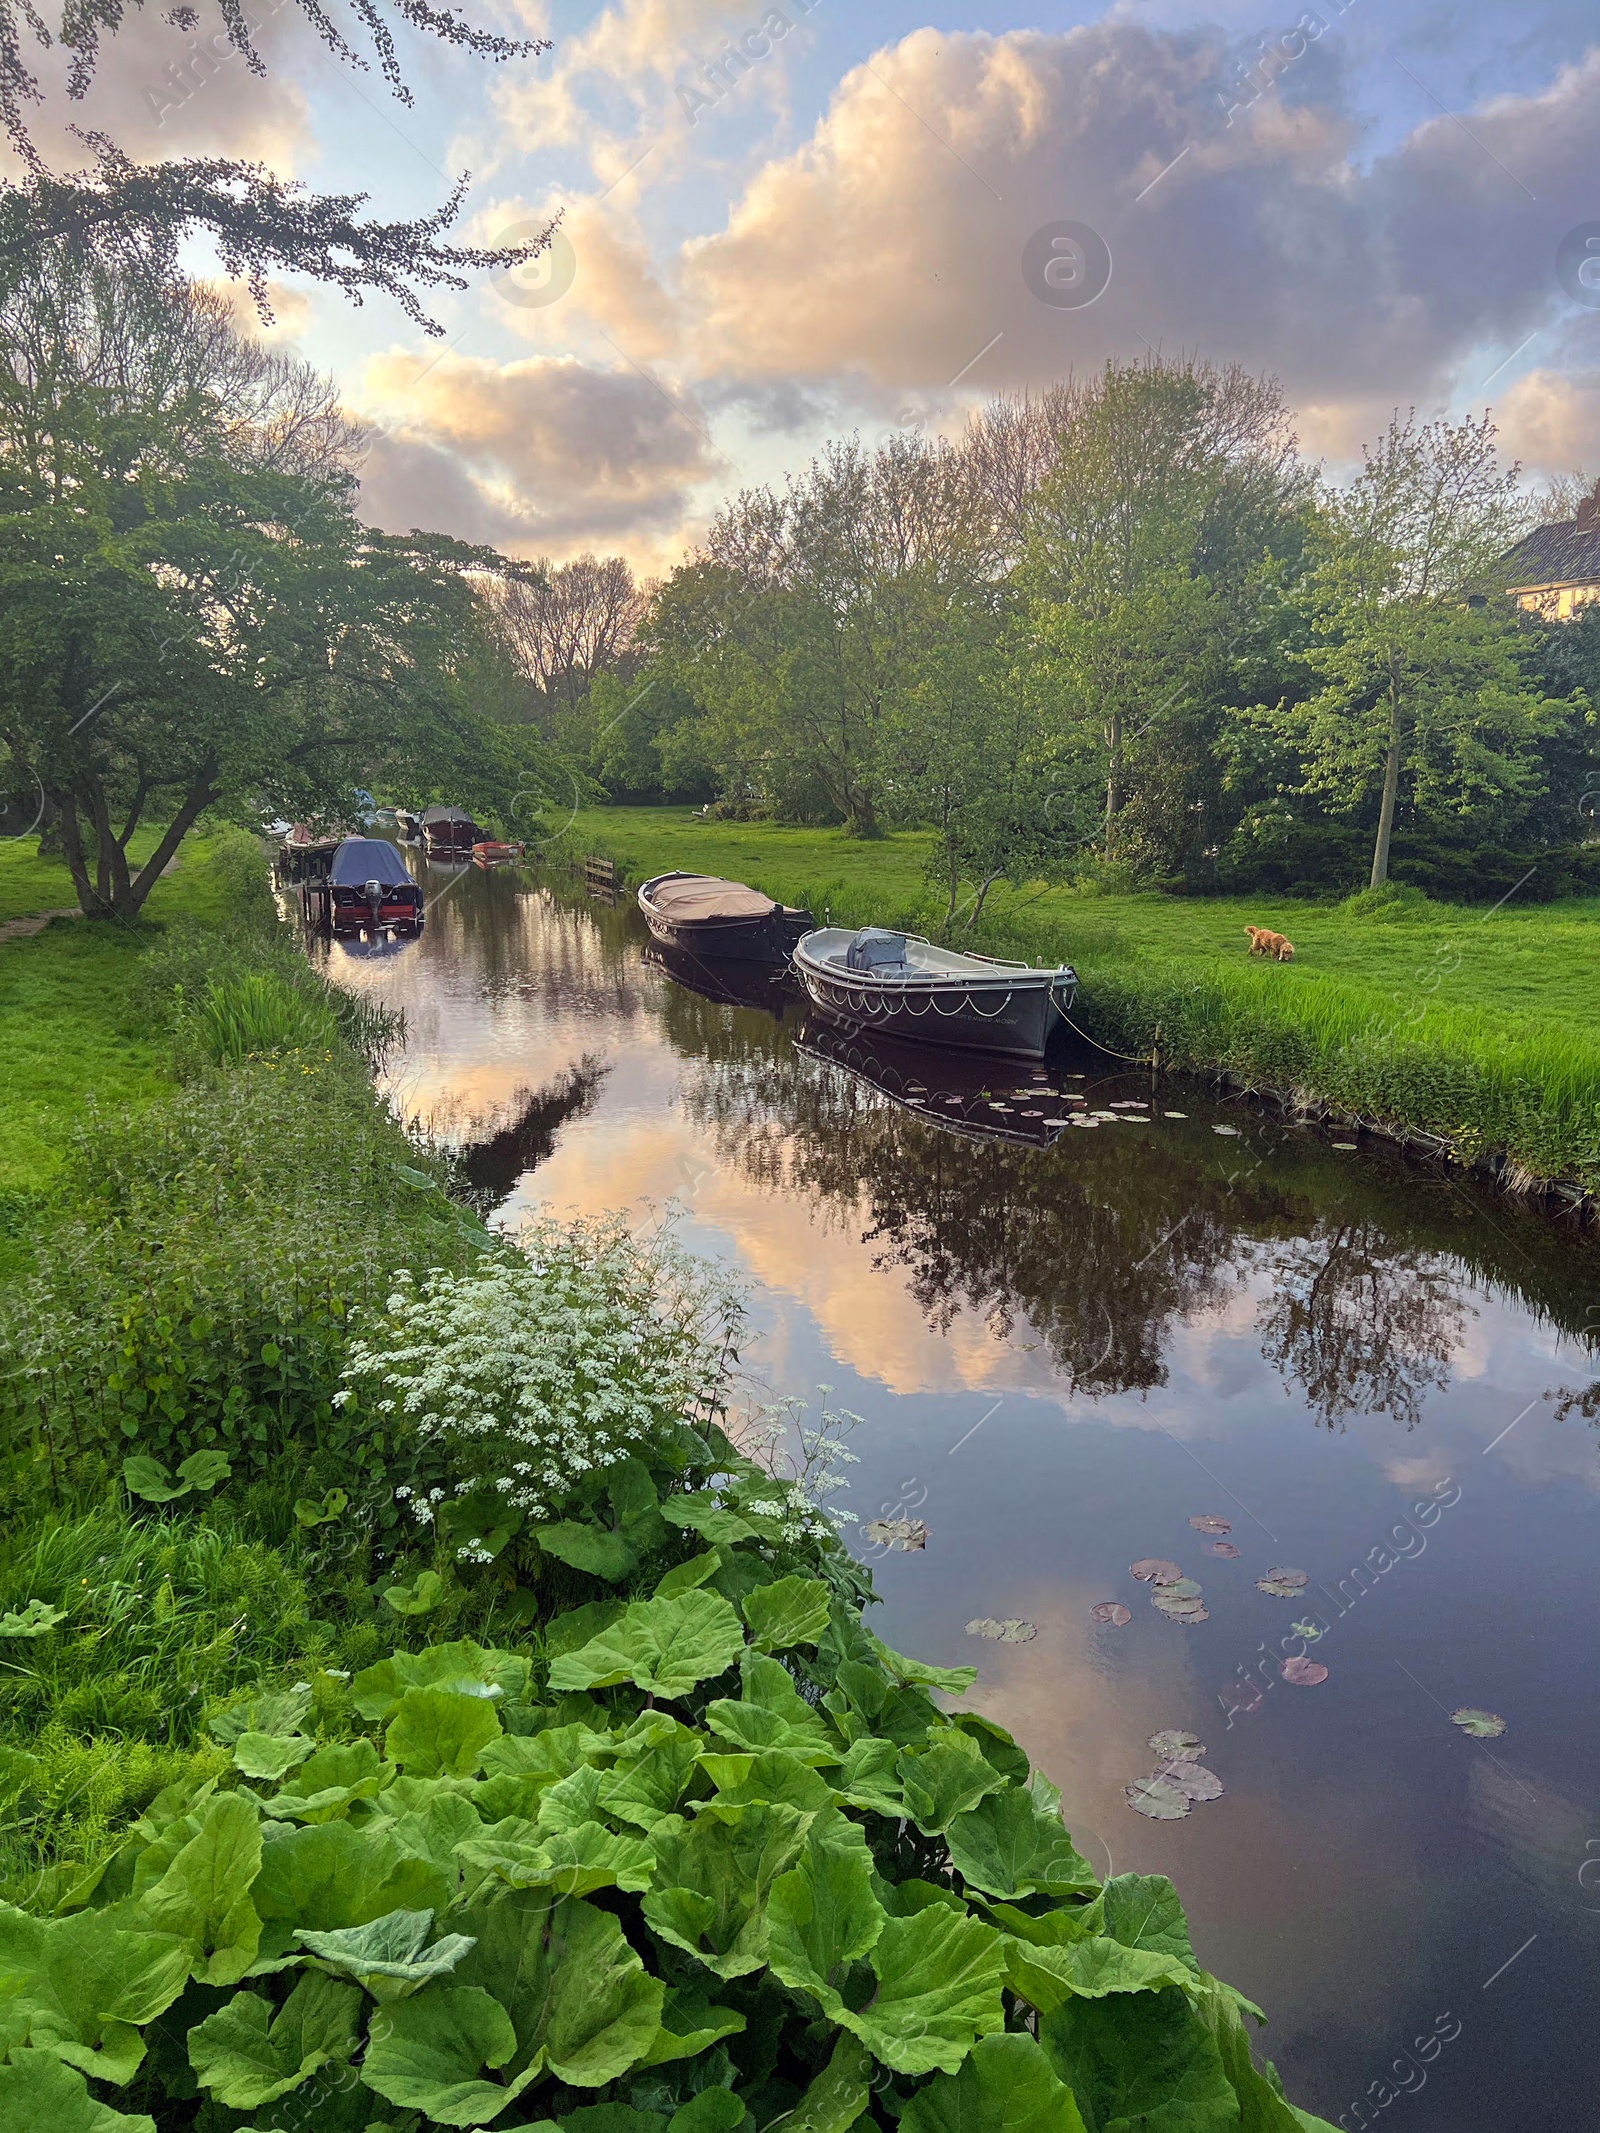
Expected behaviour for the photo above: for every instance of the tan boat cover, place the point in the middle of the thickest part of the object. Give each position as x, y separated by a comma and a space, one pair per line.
703, 896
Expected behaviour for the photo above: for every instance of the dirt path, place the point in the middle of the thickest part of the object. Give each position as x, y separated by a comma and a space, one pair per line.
13, 929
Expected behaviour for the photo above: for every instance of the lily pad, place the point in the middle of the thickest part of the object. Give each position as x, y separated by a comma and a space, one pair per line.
1154, 1797
1483, 1725
1208, 1522
1010, 1631
1283, 1584
1311, 1631
1193, 1780
1155, 1570
1172, 1744
1176, 1589
1111, 1612
1226, 1549
902, 1533
1232, 1132
1303, 1673
1188, 1612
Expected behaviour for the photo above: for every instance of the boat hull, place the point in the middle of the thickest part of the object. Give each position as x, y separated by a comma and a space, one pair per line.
770, 940
1011, 1015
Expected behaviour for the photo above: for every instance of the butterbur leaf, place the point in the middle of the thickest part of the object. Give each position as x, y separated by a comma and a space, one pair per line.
393, 1947
839, 2094
690, 2025
769, 1776
329, 1783
713, 1880
311, 1513
702, 1513
421, 1597
440, 1733
278, 1711
869, 1776
1005, 2085
429, 2054
662, 1646
81, 1987
822, 1916
771, 1714
714, 2110
204, 1470
1263, 2106
204, 1895
684, 1577
38, 2094
464, 1667
148, 1478
37, 1619
330, 1875
790, 1611
945, 1779
572, 1862
270, 1755
246, 2055
601, 1553
939, 1978
1143, 2058
953, 1680
1014, 1844
651, 1783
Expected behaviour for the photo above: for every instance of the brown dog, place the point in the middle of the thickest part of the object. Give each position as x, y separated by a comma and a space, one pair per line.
1263, 941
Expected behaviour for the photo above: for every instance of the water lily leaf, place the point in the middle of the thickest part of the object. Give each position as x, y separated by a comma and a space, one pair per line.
939, 1981
945, 1779
1310, 1631
1005, 2085
203, 1898
578, 1995
1142, 2059
1014, 1844
905, 1534
38, 2092
714, 1876
1303, 1673
1155, 1570
204, 1470
392, 1947
1111, 1613
329, 1783
37, 1619
822, 1916
464, 1667
440, 1733
665, 1647
790, 1611
1157, 1799
1226, 1549
1012, 1630
1283, 1584
330, 1876
1209, 1523
270, 1755
1193, 1780
429, 2054
1176, 1589
1185, 1611
602, 1553
82, 1987
247, 2055
418, 1598
839, 2094
1173, 1743
690, 2025
683, 1578
1483, 1725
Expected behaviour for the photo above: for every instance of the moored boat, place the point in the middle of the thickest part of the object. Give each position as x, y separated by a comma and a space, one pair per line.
905, 986
489, 853
449, 832
703, 915
367, 884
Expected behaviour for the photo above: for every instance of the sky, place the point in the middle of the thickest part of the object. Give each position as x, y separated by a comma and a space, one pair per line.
881, 215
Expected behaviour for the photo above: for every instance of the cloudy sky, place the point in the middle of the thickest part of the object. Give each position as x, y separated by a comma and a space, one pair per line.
880, 214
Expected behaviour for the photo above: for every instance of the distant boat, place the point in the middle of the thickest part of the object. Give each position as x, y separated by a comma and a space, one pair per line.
487, 853
904, 986
367, 883
450, 833
703, 915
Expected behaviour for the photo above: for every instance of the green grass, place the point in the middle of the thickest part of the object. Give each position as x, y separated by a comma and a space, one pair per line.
1474, 1024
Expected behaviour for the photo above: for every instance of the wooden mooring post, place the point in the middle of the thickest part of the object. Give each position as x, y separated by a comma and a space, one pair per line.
600, 879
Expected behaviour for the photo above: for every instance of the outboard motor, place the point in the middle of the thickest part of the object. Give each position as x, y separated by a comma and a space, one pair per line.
877, 951
373, 891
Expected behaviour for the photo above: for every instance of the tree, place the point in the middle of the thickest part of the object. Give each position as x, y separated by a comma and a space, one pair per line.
1420, 687
571, 623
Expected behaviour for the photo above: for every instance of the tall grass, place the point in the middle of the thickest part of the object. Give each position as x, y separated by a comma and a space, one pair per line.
249, 1016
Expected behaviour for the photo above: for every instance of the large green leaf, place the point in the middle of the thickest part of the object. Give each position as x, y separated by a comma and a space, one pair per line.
1142, 1911
822, 1916
441, 1733
661, 1767
1263, 2107
1014, 1844
601, 1553
772, 1713
953, 1680
839, 2094
570, 1862
204, 1895
662, 1646
574, 1628
772, 1775
684, 1577
40, 2095
1005, 2085
1132, 1938
274, 1711
945, 1779
1143, 2059
246, 2055
578, 1995
869, 1776
939, 1978
553, 1753
702, 1513
1047, 1977
331, 1876
80, 1987
388, 1952
429, 2054
713, 1879
465, 1667
328, 1785
690, 2025
270, 1755
789, 1611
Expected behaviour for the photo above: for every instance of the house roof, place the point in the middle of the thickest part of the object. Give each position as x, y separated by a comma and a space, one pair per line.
1557, 555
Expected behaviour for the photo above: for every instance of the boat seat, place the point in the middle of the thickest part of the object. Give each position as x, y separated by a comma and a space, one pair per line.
879, 952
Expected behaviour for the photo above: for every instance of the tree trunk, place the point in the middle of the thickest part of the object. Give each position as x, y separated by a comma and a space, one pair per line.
1391, 790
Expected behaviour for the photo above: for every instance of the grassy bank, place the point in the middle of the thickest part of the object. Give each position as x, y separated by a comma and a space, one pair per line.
1477, 1027
418, 1710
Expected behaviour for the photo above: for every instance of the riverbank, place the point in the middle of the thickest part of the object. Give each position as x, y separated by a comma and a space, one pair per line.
1470, 1030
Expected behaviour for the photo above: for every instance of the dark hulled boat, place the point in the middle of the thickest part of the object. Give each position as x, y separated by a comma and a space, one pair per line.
702, 915
450, 833
367, 884
904, 986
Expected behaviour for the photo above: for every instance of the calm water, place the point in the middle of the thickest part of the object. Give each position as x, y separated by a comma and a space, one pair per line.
1065, 1344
